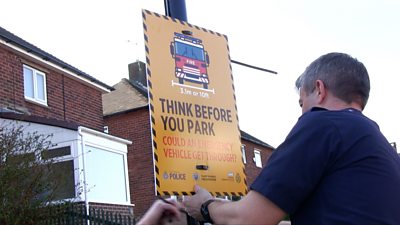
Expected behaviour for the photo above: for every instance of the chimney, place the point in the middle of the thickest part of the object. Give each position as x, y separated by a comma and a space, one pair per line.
137, 73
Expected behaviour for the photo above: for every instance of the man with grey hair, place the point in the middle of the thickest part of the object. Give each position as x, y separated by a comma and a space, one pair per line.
334, 167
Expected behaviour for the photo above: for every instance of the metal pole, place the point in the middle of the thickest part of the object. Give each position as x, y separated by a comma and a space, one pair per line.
253, 67
176, 9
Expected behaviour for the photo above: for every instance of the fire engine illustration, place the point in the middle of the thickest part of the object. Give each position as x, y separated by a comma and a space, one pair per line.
191, 60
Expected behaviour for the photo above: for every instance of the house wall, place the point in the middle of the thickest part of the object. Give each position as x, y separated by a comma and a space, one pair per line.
67, 99
252, 170
70, 102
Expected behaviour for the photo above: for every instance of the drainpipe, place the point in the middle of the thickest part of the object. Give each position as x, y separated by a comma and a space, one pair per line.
84, 173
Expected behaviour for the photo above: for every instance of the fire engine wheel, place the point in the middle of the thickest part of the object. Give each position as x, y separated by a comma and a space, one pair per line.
181, 80
205, 86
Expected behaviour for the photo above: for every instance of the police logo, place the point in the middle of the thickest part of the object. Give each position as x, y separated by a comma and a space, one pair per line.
165, 176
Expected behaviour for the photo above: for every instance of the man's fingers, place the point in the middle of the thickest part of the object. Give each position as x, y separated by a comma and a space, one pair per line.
197, 188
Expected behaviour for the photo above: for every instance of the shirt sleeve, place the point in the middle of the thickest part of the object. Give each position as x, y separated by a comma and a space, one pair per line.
298, 164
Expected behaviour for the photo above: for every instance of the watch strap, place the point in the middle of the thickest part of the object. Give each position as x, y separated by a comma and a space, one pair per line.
204, 211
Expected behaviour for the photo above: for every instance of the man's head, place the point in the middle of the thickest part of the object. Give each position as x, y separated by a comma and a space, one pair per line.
334, 80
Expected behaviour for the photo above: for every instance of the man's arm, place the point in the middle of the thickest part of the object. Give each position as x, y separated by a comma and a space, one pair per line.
254, 208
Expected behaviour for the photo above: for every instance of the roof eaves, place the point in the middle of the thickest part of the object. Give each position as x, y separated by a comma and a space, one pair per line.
126, 111
39, 120
32, 49
255, 140
140, 88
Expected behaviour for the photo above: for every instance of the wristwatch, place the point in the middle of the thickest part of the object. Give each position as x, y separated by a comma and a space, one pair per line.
204, 211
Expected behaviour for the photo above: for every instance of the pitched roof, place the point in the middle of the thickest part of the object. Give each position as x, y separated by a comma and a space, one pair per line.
38, 119
250, 138
126, 97
32, 49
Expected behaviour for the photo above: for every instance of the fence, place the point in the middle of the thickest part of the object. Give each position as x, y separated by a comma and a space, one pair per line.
70, 214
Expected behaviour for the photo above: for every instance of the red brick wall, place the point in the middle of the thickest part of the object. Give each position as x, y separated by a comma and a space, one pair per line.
67, 99
10, 68
252, 170
135, 126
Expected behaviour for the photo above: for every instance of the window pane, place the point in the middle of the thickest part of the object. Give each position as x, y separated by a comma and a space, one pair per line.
244, 154
257, 158
63, 176
40, 86
28, 82
105, 175
56, 152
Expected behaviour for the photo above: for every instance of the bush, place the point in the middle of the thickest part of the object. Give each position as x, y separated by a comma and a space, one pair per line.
25, 177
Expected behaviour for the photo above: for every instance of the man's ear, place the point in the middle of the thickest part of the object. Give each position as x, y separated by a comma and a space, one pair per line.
321, 91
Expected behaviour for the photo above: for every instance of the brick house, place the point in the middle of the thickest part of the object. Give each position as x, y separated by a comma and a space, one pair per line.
126, 115
49, 96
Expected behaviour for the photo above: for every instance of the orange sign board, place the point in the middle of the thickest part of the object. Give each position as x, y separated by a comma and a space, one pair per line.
195, 132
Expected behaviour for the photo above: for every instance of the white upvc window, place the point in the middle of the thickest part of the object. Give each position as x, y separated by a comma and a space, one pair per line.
35, 85
105, 167
106, 175
243, 147
63, 169
257, 158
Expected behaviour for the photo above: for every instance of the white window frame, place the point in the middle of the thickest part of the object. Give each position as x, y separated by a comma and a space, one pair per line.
69, 157
243, 148
36, 73
92, 194
257, 158
94, 139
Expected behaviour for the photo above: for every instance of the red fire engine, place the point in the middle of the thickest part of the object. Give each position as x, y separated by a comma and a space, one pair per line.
191, 61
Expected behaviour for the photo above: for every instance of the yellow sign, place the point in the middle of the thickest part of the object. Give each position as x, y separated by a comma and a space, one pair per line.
195, 132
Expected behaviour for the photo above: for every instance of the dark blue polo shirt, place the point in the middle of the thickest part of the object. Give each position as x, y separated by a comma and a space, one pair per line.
335, 167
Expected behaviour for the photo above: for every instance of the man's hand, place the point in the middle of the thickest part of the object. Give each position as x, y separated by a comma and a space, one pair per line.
161, 211
193, 203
